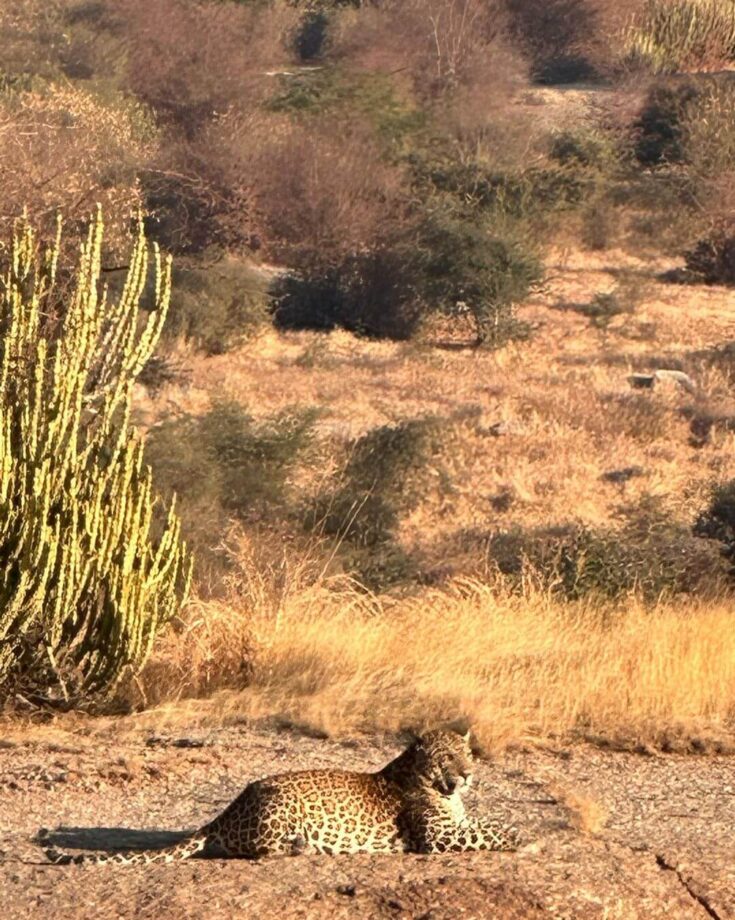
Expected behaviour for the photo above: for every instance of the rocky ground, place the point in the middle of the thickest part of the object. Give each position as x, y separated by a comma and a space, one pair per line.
608, 834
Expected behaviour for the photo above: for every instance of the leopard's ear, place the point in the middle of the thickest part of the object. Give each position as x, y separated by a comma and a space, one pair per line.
466, 736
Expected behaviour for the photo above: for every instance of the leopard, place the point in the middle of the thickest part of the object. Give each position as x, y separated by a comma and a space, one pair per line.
413, 804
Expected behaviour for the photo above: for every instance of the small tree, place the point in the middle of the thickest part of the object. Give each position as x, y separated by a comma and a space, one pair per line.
469, 266
84, 587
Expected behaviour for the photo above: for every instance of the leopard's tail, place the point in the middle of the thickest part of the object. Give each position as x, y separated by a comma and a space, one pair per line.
191, 845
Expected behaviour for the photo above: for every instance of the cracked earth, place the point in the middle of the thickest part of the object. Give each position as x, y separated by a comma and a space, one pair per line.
608, 834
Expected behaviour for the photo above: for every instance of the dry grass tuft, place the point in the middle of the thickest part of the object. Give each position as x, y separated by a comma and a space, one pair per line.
586, 814
518, 669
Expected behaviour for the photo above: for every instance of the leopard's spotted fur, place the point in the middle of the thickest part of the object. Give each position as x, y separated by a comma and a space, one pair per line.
412, 804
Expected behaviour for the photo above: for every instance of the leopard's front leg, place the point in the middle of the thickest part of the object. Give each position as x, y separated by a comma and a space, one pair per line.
436, 835
481, 834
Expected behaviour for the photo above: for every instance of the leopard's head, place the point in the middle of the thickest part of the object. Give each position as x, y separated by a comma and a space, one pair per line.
443, 761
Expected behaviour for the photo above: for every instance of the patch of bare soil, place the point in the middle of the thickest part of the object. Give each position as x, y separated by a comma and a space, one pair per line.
608, 834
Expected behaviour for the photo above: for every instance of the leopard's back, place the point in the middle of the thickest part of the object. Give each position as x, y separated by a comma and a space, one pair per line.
323, 811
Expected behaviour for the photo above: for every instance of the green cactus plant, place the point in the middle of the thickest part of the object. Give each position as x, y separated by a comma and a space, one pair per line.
84, 586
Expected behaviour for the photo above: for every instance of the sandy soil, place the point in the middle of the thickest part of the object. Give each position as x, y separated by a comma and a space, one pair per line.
608, 834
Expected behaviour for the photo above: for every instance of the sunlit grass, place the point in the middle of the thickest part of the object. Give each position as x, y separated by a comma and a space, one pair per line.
676, 35
517, 669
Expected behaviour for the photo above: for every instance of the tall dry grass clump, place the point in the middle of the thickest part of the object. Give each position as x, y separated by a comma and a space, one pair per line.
678, 35
517, 668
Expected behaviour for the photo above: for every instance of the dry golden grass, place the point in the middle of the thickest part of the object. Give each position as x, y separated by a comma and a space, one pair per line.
296, 645
572, 416
586, 814
517, 669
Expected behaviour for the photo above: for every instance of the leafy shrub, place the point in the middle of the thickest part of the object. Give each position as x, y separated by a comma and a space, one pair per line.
467, 266
367, 293
717, 521
655, 561
332, 92
648, 555
217, 306
559, 36
311, 35
226, 465
84, 586
712, 260
688, 122
380, 481
520, 193
459, 266
246, 463
660, 126
587, 149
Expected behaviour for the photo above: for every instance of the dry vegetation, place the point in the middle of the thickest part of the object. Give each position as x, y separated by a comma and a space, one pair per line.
518, 669
632, 647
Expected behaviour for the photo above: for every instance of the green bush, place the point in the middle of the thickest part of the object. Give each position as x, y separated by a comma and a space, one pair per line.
311, 36
333, 91
648, 555
84, 586
385, 475
467, 265
717, 521
218, 306
368, 293
520, 194
587, 149
687, 132
712, 260
226, 465
227, 456
559, 36
660, 126
382, 479
689, 123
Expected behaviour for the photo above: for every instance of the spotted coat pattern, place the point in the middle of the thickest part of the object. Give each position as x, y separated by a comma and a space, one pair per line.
413, 804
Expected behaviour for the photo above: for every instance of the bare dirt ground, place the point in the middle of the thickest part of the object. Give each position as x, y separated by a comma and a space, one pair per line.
608, 834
